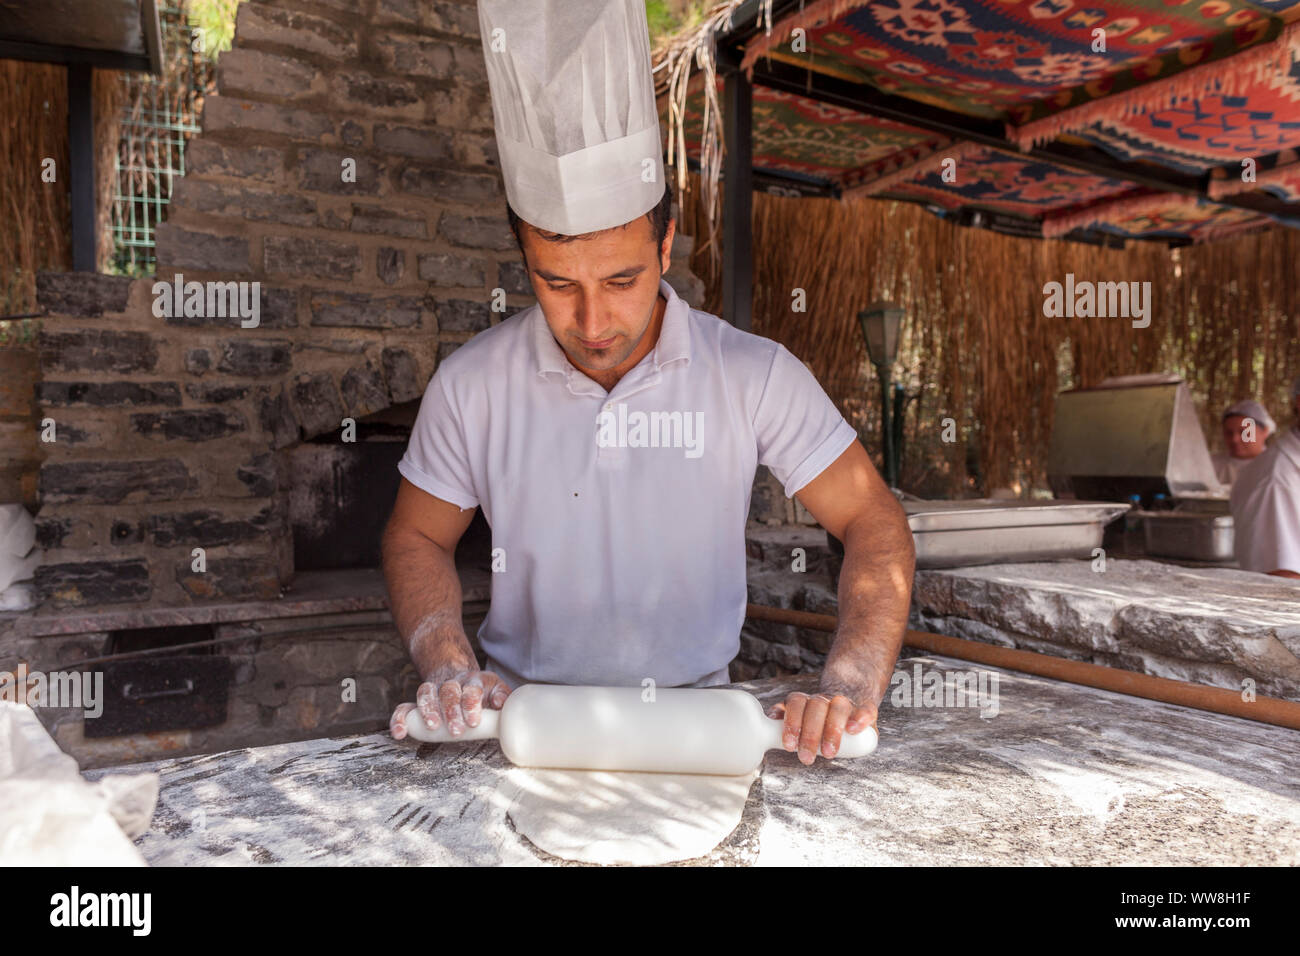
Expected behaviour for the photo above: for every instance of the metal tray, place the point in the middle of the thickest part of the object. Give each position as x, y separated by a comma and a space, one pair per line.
1188, 535
950, 534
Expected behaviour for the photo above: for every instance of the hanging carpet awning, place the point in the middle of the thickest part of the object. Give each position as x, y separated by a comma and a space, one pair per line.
1100, 120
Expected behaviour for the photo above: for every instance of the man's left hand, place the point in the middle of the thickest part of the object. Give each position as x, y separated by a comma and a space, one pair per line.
814, 723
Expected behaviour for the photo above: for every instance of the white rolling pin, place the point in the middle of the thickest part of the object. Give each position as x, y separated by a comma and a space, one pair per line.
684, 730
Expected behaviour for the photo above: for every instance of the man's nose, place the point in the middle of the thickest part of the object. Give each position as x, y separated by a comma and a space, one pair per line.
589, 317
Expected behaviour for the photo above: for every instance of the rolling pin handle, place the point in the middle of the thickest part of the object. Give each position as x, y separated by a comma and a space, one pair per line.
851, 745
417, 729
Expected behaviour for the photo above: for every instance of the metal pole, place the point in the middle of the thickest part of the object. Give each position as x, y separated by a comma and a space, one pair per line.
887, 428
738, 201
81, 165
900, 408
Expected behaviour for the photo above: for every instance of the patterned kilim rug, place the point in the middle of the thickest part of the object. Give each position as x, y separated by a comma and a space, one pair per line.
1186, 220
1027, 58
798, 135
1195, 134
995, 180
1193, 86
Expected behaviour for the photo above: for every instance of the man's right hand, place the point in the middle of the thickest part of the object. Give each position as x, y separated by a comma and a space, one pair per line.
453, 696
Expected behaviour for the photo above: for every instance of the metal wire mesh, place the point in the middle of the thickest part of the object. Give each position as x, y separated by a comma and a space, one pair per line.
161, 114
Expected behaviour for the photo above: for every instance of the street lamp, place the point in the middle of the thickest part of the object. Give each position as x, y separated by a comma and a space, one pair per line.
880, 323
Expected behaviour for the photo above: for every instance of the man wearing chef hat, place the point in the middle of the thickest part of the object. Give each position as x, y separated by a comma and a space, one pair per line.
1246, 426
1266, 504
610, 433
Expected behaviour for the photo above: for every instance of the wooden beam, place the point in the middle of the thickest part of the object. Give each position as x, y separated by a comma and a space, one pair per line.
151, 27
745, 22
46, 53
783, 183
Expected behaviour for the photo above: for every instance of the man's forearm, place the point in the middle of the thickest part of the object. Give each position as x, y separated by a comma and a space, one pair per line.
875, 594
425, 598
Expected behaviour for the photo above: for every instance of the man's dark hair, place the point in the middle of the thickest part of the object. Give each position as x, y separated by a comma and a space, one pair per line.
658, 217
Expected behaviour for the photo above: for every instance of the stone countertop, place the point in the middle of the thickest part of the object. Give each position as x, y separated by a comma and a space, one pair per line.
1217, 626
1062, 774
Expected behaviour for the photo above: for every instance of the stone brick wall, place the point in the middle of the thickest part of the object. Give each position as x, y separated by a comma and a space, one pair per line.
285, 685
168, 427
19, 368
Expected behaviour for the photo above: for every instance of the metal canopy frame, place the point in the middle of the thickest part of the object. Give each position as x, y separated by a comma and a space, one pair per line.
81, 64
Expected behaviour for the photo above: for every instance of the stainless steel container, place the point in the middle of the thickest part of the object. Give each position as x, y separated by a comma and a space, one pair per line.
950, 534
1188, 535
1132, 435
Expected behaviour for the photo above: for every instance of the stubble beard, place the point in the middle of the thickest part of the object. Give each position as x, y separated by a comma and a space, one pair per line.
602, 360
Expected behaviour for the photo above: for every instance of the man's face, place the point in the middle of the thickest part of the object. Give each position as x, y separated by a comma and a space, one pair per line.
1234, 430
598, 294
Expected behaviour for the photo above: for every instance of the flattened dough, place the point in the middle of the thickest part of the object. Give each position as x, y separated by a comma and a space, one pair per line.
596, 816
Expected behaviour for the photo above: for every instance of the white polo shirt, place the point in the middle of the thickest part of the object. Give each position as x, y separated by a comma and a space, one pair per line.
620, 515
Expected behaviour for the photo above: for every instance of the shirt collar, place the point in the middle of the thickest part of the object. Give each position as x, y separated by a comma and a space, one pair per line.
674, 338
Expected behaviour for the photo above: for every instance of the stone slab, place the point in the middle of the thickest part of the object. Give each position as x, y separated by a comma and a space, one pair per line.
1212, 625
1061, 775
312, 592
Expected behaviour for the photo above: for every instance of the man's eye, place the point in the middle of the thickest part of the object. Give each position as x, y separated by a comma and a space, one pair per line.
624, 285
557, 288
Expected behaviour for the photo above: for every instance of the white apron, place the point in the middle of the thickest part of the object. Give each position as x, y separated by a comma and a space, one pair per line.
1266, 508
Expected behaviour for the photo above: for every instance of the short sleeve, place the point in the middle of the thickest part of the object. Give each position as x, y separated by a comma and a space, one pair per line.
437, 458
799, 430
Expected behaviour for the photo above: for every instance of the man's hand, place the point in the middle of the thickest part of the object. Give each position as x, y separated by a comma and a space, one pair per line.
851, 502
453, 696
814, 725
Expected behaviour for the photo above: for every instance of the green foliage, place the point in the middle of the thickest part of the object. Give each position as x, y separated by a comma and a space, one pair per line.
15, 299
667, 17
134, 269
215, 20
19, 333
660, 18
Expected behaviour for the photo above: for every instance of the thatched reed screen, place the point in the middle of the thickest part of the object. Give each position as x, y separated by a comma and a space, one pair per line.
977, 347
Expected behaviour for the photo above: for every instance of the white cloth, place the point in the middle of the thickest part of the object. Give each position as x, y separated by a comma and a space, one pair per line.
573, 104
1266, 508
621, 563
18, 556
50, 816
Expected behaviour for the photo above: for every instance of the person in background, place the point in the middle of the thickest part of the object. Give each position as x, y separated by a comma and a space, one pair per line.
1246, 426
1266, 504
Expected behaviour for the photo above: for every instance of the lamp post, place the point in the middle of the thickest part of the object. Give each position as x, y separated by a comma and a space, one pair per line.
880, 323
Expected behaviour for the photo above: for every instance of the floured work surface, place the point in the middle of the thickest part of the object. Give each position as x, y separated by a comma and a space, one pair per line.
1062, 775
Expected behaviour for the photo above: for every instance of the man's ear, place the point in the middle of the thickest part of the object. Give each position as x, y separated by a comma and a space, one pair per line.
666, 250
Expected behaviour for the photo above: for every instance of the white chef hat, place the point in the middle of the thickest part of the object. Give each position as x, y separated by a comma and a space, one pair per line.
574, 108
1249, 408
